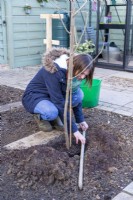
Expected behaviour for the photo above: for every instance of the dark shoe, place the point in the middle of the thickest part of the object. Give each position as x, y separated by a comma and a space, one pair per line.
58, 128
43, 124
57, 124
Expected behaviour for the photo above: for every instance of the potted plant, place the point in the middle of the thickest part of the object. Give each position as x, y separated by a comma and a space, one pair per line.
86, 47
42, 2
27, 9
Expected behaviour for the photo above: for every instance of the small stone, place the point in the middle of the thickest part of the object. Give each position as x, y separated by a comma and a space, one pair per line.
30, 183
51, 179
77, 157
35, 152
18, 184
112, 182
9, 171
20, 174
97, 197
20, 163
112, 169
20, 180
22, 186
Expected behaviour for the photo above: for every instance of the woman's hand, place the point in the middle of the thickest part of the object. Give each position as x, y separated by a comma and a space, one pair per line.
80, 137
83, 125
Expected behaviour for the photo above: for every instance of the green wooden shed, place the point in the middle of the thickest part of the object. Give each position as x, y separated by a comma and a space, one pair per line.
21, 34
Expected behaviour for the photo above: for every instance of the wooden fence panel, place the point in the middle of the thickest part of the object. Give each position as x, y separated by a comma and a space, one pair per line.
3, 45
29, 31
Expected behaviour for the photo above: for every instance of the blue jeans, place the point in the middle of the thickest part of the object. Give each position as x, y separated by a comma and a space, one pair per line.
48, 110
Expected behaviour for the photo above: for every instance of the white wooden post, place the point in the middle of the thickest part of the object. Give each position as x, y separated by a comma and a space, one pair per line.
48, 41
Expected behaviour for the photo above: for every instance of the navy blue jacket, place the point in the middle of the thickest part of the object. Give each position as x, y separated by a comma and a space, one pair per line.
52, 87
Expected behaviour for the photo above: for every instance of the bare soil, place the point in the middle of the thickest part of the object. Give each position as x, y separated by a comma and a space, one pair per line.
16, 124
51, 172
9, 94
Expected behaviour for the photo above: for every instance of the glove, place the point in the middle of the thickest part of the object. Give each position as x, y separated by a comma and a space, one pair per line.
80, 137
83, 125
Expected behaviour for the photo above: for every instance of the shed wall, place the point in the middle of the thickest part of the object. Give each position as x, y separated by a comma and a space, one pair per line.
28, 31
3, 51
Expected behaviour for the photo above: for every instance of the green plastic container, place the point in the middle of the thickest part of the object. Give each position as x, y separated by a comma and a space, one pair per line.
58, 30
91, 94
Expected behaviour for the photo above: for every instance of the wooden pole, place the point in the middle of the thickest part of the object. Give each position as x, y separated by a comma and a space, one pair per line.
80, 181
72, 39
48, 41
49, 31
69, 80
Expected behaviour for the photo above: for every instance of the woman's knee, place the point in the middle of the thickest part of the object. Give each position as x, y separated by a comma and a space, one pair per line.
47, 110
49, 114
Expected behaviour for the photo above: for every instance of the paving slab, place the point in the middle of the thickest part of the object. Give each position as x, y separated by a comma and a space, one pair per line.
99, 72
123, 196
124, 74
105, 104
10, 106
125, 108
114, 106
116, 97
38, 138
109, 72
129, 188
105, 108
129, 105
123, 112
18, 78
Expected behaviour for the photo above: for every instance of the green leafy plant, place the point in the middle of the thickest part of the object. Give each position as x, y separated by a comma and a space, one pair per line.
40, 1
87, 47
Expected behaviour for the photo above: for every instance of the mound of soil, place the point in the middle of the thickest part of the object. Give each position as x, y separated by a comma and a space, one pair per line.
9, 94
51, 172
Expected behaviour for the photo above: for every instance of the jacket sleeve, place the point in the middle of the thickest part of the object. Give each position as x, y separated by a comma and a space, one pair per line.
78, 113
55, 92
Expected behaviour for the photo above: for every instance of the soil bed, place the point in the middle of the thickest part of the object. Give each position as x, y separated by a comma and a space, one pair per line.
9, 94
51, 172
16, 124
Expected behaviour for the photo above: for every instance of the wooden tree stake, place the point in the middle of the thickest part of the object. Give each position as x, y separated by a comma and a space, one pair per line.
48, 41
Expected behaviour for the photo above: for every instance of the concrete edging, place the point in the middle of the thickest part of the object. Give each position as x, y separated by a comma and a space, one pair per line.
126, 194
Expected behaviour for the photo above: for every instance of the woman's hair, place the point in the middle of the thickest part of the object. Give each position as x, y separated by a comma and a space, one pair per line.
80, 63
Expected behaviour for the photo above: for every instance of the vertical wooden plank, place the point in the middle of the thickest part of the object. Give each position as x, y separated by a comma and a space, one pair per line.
1, 36
48, 41
10, 43
49, 31
3, 29
4, 32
